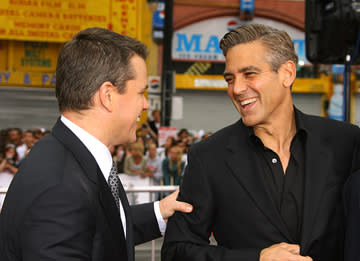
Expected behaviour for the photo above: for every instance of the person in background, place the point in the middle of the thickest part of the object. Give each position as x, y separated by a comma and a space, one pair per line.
7, 172
269, 187
119, 156
135, 164
154, 124
38, 134
147, 133
140, 139
9, 160
182, 135
66, 202
153, 167
15, 136
173, 166
164, 149
29, 141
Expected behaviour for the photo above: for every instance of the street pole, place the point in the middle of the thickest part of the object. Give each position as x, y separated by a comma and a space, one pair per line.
167, 67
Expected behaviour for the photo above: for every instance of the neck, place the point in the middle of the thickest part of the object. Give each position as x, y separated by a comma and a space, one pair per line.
278, 133
88, 122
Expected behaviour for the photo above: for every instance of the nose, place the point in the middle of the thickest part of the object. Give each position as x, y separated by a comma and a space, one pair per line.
146, 104
240, 86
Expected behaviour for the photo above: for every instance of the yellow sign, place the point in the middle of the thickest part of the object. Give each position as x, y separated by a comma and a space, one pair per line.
60, 20
27, 79
35, 56
200, 82
217, 82
3, 55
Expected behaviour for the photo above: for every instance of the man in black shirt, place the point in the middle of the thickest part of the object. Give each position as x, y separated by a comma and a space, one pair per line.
269, 186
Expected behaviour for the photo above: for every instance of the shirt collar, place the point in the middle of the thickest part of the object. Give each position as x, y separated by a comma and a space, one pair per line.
99, 151
299, 122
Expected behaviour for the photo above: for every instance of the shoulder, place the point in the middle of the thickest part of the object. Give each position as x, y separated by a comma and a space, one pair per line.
47, 152
221, 138
326, 126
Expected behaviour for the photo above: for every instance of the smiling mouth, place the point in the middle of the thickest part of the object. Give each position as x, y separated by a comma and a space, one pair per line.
247, 102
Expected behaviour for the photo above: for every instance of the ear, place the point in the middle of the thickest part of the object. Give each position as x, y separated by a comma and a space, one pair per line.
287, 72
106, 92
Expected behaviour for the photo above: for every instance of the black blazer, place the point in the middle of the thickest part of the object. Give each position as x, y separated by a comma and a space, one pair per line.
225, 183
352, 213
59, 207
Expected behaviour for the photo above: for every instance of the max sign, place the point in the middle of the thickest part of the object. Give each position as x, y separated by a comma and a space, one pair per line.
198, 47
200, 41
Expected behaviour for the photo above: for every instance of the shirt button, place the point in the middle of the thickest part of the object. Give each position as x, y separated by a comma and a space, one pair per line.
274, 160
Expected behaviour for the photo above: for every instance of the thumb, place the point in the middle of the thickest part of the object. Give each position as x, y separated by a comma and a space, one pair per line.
183, 207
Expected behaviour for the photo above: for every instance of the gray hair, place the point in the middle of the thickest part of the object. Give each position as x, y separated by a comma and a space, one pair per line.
278, 42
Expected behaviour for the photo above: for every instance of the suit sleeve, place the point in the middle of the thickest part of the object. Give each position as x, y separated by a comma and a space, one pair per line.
58, 226
187, 235
352, 213
145, 225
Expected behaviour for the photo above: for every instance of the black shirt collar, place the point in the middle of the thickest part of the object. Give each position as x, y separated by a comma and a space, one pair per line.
300, 127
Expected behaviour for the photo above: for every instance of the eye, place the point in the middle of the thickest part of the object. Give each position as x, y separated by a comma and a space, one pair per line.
249, 74
229, 79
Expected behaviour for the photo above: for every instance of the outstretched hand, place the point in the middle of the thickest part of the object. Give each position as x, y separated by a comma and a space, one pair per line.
169, 205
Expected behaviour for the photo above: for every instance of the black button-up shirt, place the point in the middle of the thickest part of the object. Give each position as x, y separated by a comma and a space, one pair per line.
286, 186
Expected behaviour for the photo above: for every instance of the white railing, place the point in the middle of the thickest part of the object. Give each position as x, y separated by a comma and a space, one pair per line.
129, 189
132, 189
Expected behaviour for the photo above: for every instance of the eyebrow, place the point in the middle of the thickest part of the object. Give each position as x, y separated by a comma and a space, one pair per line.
245, 69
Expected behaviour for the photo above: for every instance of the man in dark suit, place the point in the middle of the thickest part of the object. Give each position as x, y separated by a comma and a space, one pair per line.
269, 186
66, 203
352, 217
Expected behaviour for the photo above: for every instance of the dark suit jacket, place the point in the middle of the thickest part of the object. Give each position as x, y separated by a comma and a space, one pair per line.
59, 207
352, 213
225, 183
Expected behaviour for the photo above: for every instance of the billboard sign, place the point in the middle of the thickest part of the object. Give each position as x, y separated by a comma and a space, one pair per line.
200, 41
60, 20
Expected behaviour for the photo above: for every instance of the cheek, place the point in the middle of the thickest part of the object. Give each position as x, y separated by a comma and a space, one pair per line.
230, 91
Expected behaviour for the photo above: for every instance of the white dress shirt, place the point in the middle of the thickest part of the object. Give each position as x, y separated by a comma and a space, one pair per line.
103, 158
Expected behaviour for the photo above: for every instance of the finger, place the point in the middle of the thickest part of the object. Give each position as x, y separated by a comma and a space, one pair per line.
293, 248
302, 258
183, 207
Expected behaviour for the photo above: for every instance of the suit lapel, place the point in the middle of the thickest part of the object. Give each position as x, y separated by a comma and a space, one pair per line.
129, 225
317, 169
110, 209
245, 166
93, 172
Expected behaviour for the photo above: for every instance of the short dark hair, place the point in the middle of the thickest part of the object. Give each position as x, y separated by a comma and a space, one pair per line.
18, 130
92, 57
278, 42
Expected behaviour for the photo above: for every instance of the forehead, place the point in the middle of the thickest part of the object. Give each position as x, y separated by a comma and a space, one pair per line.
246, 54
139, 66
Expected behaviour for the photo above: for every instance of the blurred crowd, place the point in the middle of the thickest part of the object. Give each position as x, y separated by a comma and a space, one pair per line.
164, 163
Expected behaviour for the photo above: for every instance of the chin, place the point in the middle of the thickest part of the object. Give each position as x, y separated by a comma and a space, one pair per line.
249, 121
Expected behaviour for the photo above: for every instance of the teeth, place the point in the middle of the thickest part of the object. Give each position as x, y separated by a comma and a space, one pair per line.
248, 101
